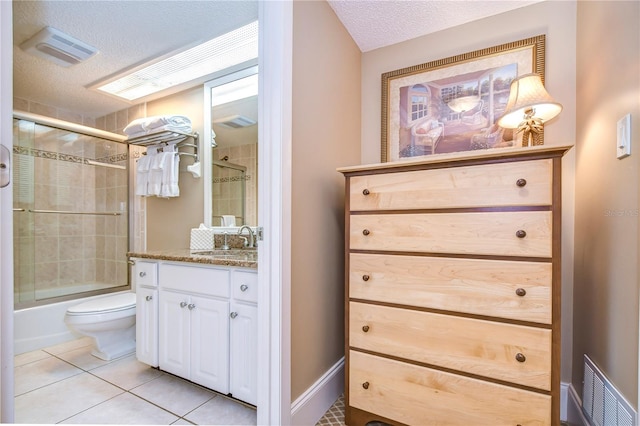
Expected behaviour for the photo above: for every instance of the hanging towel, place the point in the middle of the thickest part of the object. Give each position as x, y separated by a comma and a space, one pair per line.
142, 175
155, 173
170, 175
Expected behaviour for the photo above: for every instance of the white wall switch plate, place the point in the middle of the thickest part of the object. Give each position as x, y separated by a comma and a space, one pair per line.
624, 136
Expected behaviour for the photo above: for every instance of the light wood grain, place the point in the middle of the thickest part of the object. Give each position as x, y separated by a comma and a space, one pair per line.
485, 348
474, 286
469, 186
420, 396
485, 233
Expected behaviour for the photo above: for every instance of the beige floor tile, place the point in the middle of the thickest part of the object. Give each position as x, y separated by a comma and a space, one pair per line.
124, 409
63, 399
82, 358
41, 373
173, 394
29, 357
223, 411
181, 422
127, 372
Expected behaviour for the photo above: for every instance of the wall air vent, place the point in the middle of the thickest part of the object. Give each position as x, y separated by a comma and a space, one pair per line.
58, 47
235, 121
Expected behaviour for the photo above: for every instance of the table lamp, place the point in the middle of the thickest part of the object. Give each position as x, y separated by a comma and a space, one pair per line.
528, 108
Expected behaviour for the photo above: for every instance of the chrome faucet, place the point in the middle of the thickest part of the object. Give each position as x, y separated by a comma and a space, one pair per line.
252, 238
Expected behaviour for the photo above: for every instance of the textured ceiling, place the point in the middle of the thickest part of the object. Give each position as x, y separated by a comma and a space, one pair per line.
377, 23
128, 33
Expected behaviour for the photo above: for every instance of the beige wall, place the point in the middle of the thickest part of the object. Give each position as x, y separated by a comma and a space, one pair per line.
606, 268
169, 220
557, 20
326, 135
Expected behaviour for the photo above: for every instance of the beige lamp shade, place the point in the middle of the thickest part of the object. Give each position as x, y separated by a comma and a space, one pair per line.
528, 99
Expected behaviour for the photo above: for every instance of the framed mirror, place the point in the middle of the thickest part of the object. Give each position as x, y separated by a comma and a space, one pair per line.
230, 150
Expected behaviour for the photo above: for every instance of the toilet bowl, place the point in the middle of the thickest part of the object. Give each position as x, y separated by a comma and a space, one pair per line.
110, 321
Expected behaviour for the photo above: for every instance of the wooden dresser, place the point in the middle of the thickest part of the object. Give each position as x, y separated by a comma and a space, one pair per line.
453, 289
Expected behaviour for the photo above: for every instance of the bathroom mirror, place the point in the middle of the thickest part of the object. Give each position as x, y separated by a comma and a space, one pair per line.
230, 145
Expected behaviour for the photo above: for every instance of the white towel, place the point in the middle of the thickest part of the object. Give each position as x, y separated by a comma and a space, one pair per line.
155, 173
142, 175
170, 175
149, 125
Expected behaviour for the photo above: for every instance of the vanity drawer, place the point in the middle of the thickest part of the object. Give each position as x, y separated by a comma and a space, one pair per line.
145, 273
244, 286
522, 183
509, 352
484, 233
195, 279
505, 289
416, 395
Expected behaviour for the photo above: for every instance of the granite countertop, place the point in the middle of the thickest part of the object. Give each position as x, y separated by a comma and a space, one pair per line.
241, 258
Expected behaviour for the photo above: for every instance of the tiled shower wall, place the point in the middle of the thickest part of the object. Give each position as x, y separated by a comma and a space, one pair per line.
226, 200
114, 123
64, 253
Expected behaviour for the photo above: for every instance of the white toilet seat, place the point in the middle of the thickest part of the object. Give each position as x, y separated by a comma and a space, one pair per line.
103, 305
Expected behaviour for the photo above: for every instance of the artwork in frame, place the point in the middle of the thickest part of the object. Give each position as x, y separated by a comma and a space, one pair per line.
453, 104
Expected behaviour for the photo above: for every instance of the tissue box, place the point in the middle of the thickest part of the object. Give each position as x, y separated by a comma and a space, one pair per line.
201, 239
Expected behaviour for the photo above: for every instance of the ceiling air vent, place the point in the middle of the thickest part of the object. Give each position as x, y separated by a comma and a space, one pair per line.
235, 121
58, 47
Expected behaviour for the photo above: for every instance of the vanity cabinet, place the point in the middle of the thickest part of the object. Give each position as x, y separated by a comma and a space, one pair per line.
203, 326
453, 289
144, 280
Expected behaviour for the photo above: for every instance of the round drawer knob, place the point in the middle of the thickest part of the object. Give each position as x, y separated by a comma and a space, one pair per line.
365, 328
521, 183
521, 292
142, 274
233, 314
191, 306
183, 304
365, 192
366, 278
366, 232
521, 233
148, 298
365, 385
244, 287
520, 357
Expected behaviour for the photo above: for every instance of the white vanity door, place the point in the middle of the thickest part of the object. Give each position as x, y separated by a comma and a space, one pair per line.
244, 351
210, 343
147, 325
174, 336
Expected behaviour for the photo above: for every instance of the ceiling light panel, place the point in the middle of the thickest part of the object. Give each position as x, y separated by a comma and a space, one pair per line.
222, 52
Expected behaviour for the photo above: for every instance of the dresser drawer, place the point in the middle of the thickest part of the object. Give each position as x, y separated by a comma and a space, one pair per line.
484, 233
505, 289
486, 348
195, 279
522, 183
244, 286
416, 395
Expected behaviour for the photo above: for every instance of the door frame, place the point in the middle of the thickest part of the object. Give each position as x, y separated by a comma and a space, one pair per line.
6, 219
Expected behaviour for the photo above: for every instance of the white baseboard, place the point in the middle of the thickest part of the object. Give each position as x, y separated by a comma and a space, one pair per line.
309, 407
571, 406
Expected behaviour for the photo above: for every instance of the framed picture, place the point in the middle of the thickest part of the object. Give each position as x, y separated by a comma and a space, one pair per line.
453, 104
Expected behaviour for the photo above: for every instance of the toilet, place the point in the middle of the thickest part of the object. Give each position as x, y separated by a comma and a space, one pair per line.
110, 321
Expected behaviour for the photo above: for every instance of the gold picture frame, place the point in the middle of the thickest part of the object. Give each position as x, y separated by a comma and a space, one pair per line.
452, 104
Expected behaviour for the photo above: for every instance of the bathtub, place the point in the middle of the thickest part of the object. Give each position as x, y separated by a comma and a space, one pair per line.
41, 326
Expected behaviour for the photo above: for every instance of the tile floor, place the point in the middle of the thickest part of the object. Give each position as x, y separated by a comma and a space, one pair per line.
66, 384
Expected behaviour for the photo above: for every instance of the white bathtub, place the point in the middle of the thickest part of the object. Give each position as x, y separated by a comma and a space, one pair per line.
42, 326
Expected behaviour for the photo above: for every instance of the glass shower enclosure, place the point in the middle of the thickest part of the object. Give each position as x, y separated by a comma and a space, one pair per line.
70, 214
228, 191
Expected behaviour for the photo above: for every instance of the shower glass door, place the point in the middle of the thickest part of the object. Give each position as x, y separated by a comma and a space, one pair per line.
70, 214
